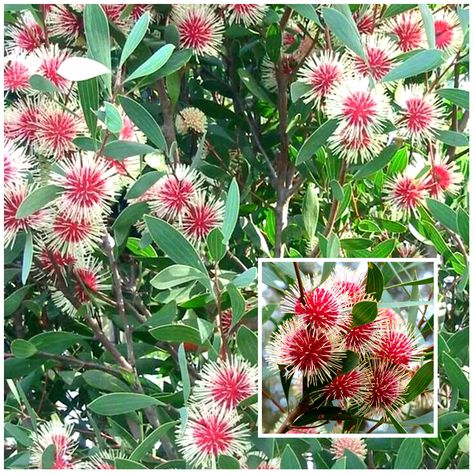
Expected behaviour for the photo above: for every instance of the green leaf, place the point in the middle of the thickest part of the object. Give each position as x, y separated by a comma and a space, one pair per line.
120, 149
246, 278
384, 249
41, 84
456, 96
38, 199
337, 191
113, 119
135, 37
418, 63
227, 462
175, 63
462, 224
340, 463
353, 461
56, 342
253, 86
298, 90
215, 245
443, 213
151, 65
436, 239
89, 98
273, 42
175, 275
173, 243
428, 23
237, 302
310, 210
20, 434
420, 381
183, 367
455, 375
375, 165
396, 424
363, 312
121, 463
23, 349
126, 219
143, 184
289, 459
96, 28
113, 404
148, 444
231, 213
374, 281
392, 226
451, 419
176, 333
27, 257
48, 457
344, 29
307, 11
13, 301
452, 138
144, 121
316, 141
247, 344
350, 362
355, 244
410, 454
451, 447
423, 281
396, 9
104, 381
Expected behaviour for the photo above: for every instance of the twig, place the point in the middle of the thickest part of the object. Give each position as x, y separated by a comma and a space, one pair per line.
269, 397
300, 282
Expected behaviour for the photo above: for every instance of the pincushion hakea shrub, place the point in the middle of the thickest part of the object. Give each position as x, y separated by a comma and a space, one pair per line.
347, 363
153, 152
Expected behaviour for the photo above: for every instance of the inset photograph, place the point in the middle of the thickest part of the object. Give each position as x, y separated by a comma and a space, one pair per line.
347, 347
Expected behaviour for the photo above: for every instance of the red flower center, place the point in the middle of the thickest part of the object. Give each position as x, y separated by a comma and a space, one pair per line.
71, 231
408, 193
395, 347
212, 435
444, 33
86, 279
85, 186
16, 77
359, 109
419, 114
324, 77
175, 193
231, 387
321, 308
378, 64
196, 32
30, 38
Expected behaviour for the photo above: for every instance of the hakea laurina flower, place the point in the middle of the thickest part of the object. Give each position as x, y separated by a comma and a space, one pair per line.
421, 113
16, 164
361, 339
355, 445
61, 437
49, 59
360, 109
192, 120
63, 22
346, 387
397, 346
365, 20
99, 462
389, 319
443, 176
227, 383
448, 33
201, 216
385, 388
199, 28
356, 149
323, 72
24, 36
210, 432
380, 52
89, 185
406, 192
21, 120
311, 352
56, 130
408, 30
350, 282
50, 262
17, 71
247, 13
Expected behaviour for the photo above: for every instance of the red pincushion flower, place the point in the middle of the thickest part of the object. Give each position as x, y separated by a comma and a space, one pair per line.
52, 260
345, 386
63, 22
49, 60
26, 35
17, 71
355, 445
443, 176
379, 51
448, 34
408, 29
21, 120
396, 347
356, 149
361, 339
247, 13
365, 21
15, 164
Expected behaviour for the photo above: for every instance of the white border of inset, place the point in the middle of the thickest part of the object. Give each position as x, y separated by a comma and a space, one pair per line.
435, 263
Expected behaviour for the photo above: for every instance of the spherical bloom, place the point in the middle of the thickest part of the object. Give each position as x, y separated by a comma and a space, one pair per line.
191, 119
355, 149
323, 72
311, 352
226, 383
209, 433
365, 21
63, 22
200, 29
380, 52
49, 59
17, 71
443, 176
88, 183
389, 319
13, 197
397, 347
360, 109
247, 13
202, 215
16, 164
408, 30
115, 14
405, 193
361, 339
52, 261
345, 387
386, 386
61, 437
355, 445
56, 130
21, 120
350, 282
420, 114
448, 34
25, 36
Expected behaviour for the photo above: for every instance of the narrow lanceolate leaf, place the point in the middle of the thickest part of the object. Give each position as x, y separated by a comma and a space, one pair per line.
428, 23
89, 99
81, 69
273, 42
38, 199
382, 160
120, 149
147, 445
344, 29
442, 213
420, 62
216, 245
41, 84
113, 404
143, 184
135, 37
316, 141
420, 381
126, 219
456, 96
452, 138
183, 367
144, 121
247, 344
253, 86
173, 243
456, 376
176, 333
231, 212
27, 257
237, 302
175, 275
462, 223
153, 64
410, 454
289, 459
307, 11
12, 302
363, 312
374, 281
310, 210
104, 381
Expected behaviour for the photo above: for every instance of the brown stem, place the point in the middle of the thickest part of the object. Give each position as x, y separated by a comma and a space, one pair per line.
293, 415
300, 282
168, 122
269, 397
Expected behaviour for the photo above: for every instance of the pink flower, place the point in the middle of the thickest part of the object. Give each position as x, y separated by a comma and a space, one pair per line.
448, 34
355, 445
16, 164
25, 36
227, 383
345, 387
365, 21
389, 318
269, 73
17, 72
209, 433
397, 347
356, 149
349, 282
51, 261
408, 29
443, 176
63, 22
247, 13
49, 60
200, 29
361, 339
21, 120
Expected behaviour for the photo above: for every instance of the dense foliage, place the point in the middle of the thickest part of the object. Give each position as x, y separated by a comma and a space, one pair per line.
153, 153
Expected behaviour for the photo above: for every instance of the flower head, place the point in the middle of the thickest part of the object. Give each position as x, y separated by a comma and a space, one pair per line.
269, 72
350, 282
50, 261
191, 119
21, 120
49, 59
16, 164
24, 36
323, 72
199, 28
420, 114
63, 22
89, 186
355, 445
443, 176
227, 383
361, 339
356, 149
209, 433
389, 319
246, 13
397, 347
448, 34
408, 30
345, 387
17, 71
